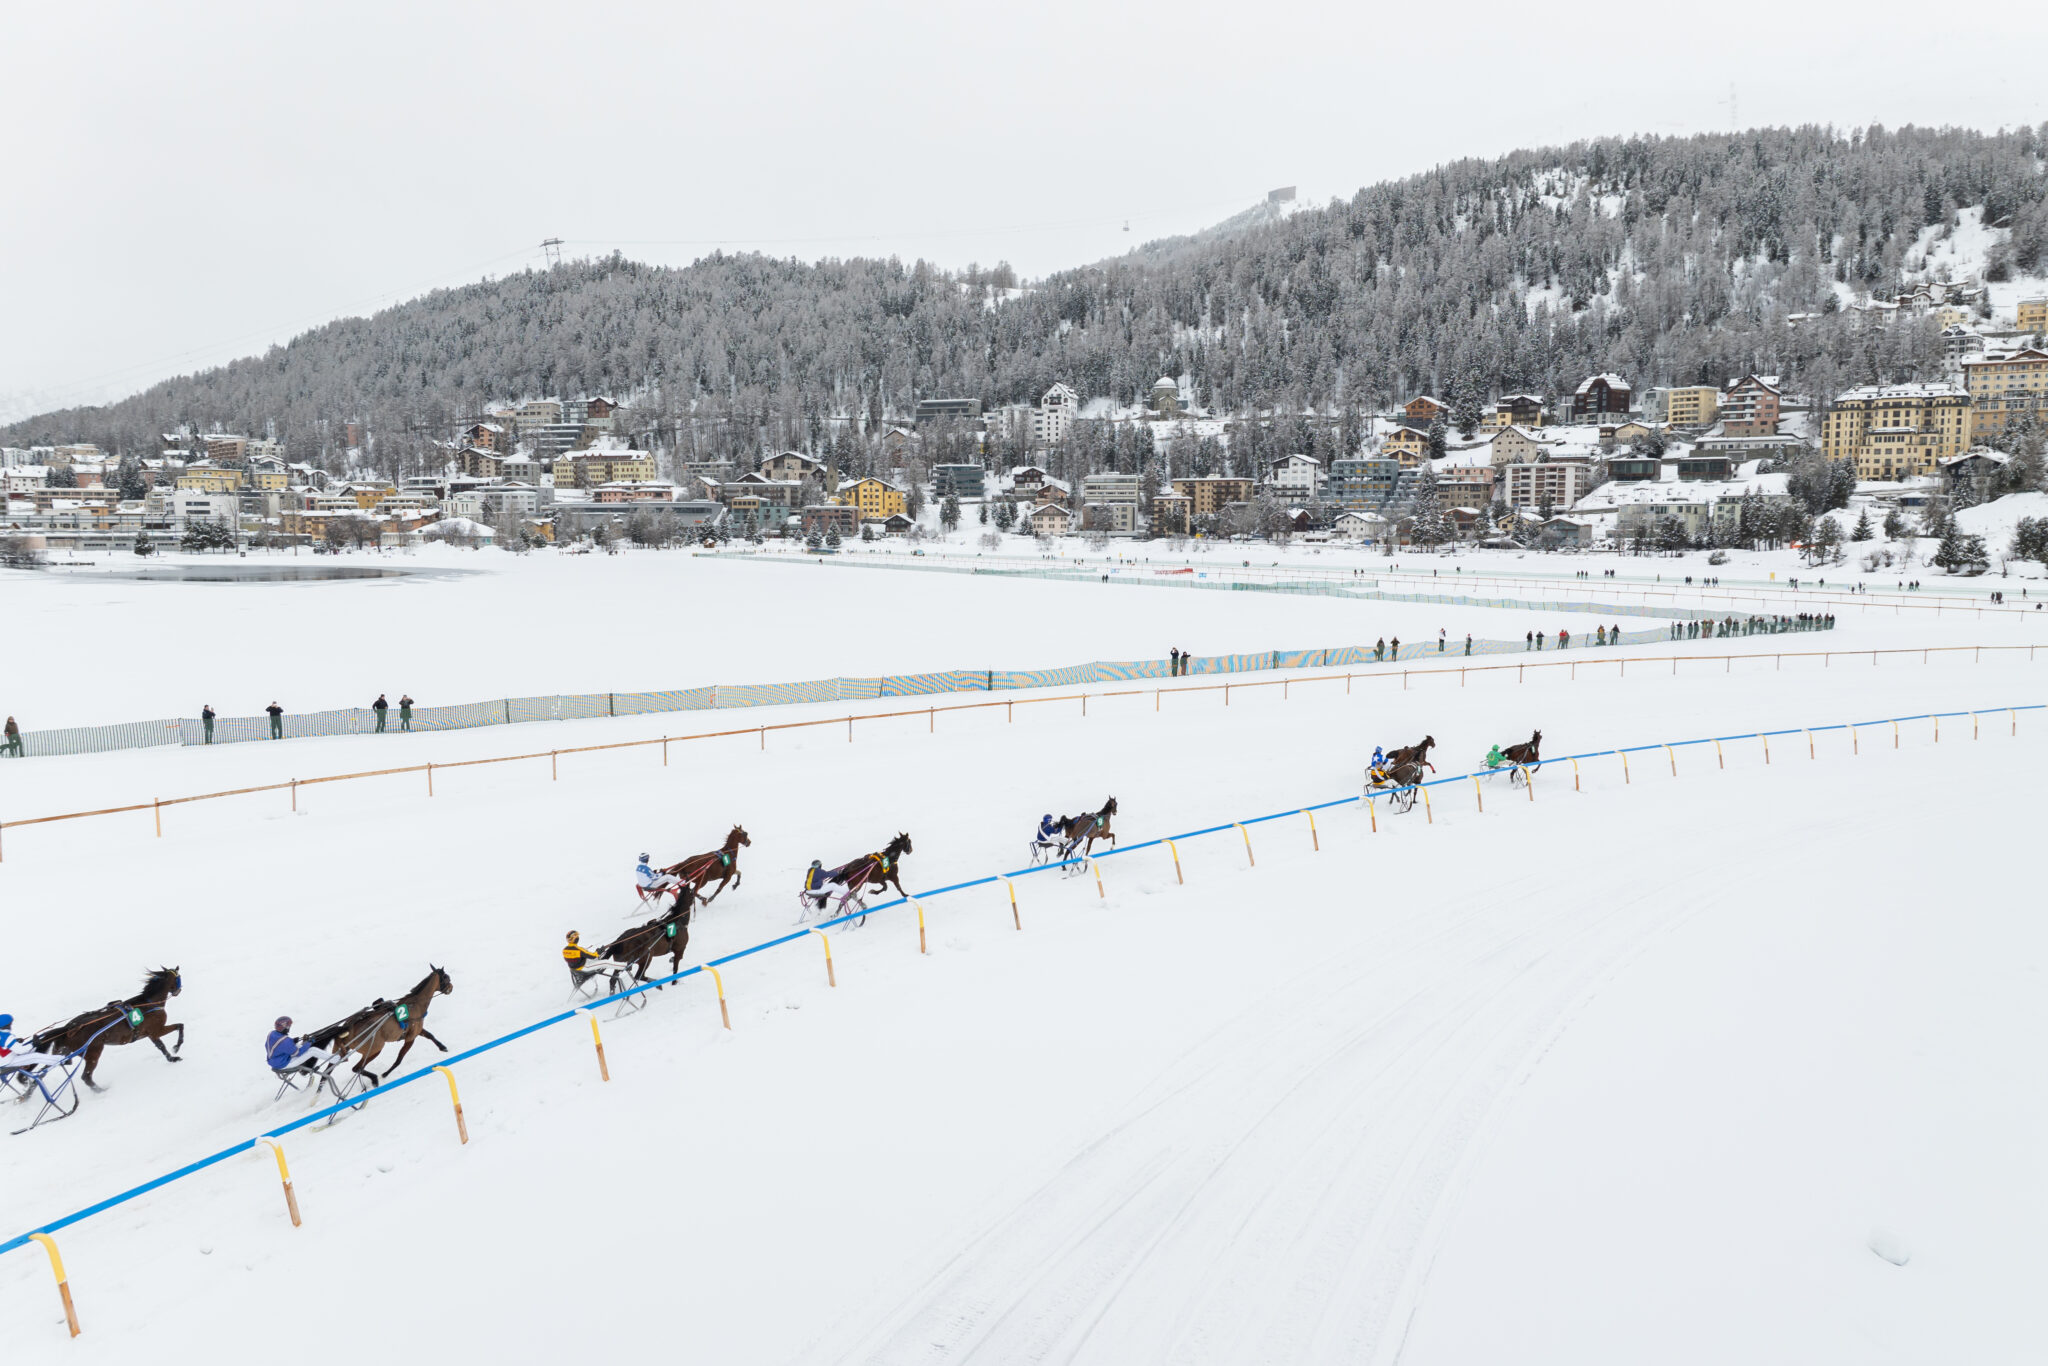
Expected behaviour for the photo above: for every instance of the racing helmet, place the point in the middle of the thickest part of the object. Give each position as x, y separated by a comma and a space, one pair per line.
6, 1022
643, 858
283, 1022
572, 937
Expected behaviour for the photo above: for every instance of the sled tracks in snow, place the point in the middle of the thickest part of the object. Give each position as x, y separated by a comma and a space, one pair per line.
1279, 1194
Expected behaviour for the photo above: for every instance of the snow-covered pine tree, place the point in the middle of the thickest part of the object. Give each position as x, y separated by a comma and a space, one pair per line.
1431, 528
1862, 530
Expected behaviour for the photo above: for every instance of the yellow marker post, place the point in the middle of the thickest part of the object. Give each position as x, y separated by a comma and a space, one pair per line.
63, 1285
1175, 849
1809, 746
1766, 741
1249, 860
920, 924
1096, 864
1429, 814
1575, 777
603, 1071
1973, 725
1937, 730
719, 982
1670, 754
1895, 735
1014, 916
1529, 781
831, 977
1855, 745
1719, 757
1314, 839
461, 1124
1372, 812
284, 1174
2014, 714
1624, 766
1478, 796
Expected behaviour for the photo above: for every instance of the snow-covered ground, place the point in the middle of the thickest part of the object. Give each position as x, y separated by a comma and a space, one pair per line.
466, 626
1633, 1072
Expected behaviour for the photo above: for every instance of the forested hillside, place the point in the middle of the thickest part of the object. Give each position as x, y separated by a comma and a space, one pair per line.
1668, 260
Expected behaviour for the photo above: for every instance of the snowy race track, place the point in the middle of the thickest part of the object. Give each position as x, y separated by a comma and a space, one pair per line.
1630, 1073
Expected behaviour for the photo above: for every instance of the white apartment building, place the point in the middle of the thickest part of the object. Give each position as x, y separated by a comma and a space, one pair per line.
1296, 479
1559, 483
1053, 420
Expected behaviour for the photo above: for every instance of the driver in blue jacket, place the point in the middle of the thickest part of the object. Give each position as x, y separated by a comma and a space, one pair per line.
282, 1051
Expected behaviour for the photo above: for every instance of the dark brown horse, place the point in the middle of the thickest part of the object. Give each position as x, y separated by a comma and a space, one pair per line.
721, 865
668, 933
145, 1015
1525, 757
872, 870
386, 1022
1085, 830
1402, 782
1414, 754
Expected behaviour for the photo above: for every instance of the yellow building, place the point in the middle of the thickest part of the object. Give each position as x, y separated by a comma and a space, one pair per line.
1892, 431
2005, 386
1406, 445
205, 478
270, 478
877, 499
585, 470
1695, 406
2033, 315
1950, 315
1210, 494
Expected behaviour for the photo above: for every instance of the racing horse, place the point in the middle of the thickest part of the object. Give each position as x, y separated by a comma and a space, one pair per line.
721, 864
1084, 830
1401, 783
881, 869
145, 1015
1416, 754
668, 933
383, 1022
1526, 758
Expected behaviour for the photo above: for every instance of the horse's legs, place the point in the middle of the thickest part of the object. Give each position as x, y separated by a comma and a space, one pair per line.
92, 1061
432, 1040
404, 1048
169, 1056
180, 1049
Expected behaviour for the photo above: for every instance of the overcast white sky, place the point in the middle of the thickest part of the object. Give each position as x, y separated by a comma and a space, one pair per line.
184, 184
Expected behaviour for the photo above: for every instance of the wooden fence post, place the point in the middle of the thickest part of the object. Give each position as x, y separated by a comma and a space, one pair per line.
455, 1097
63, 1284
718, 981
604, 1072
284, 1174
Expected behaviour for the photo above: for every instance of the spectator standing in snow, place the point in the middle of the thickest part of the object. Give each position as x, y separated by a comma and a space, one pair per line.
1174, 670
1564, 639
1468, 642
405, 711
13, 734
1440, 639
206, 720
276, 720
380, 706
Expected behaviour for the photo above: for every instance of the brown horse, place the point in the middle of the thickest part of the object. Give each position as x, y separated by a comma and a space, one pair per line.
1085, 830
1414, 754
385, 1022
721, 864
1403, 781
668, 933
1527, 757
872, 870
145, 1015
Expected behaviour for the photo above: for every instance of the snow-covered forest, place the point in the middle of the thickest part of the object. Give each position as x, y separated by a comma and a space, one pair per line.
1669, 260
